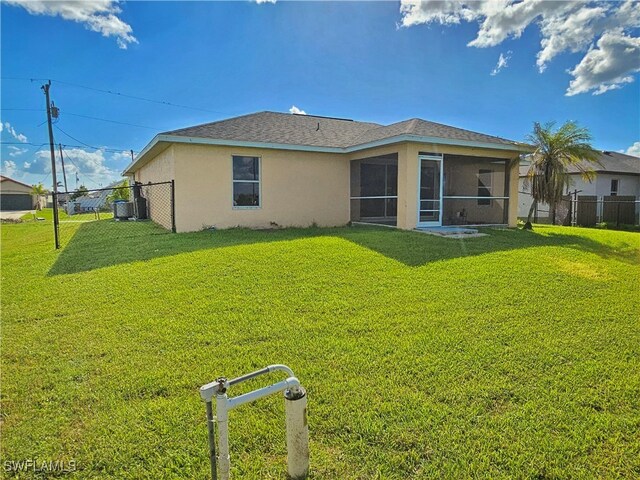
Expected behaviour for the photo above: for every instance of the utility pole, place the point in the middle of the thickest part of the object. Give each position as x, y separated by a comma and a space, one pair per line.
46, 87
64, 173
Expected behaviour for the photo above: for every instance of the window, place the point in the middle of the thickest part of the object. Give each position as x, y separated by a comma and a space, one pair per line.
246, 182
614, 187
484, 186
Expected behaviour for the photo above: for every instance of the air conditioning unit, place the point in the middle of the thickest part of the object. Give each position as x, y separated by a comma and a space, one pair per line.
122, 210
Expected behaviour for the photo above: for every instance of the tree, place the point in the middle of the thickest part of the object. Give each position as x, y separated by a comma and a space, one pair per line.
39, 191
81, 191
120, 192
555, 151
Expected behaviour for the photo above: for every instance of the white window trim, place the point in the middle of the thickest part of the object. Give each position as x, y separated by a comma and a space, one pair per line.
259, 182
612, 192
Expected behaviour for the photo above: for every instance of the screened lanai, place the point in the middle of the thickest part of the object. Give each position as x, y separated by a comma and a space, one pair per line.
374, 190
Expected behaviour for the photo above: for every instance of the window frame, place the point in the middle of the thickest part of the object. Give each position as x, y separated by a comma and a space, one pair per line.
614, 193
259, 182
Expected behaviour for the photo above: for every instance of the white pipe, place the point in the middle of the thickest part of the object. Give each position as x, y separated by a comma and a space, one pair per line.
282, 368
297, 434
290, 382
222, 419
296, 420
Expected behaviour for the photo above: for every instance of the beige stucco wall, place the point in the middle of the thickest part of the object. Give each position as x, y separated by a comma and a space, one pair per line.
296, 189
160, 169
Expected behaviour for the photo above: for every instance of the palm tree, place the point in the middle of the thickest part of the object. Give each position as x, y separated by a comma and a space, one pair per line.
39, 191
555, 151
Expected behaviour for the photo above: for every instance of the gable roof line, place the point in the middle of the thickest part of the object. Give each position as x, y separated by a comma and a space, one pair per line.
5, 179
521, 147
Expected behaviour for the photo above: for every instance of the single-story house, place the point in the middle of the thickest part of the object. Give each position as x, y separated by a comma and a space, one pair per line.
15, 195
274, 169
616, 175
88, 203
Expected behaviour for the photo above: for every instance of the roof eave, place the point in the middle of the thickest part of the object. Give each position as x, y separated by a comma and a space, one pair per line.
519, 147
140, 159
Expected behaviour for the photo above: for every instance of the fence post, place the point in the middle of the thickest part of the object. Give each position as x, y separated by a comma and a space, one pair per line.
600, 209
617, 214
56, 220
173, 206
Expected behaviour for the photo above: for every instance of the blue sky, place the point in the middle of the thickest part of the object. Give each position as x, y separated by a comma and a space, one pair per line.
367, 61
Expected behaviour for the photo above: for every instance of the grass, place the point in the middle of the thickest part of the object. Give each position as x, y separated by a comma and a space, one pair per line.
515, 355
46, 214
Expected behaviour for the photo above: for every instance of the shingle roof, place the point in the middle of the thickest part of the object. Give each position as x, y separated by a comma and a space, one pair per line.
314, 133
610, 162
614, 162
283, 128
424, 128
272, 127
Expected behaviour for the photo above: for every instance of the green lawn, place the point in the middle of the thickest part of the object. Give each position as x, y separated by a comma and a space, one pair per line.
515, 355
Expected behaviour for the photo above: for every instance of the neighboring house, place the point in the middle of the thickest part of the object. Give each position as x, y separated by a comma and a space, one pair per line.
15, 195
273, 169
616, 175
91, 202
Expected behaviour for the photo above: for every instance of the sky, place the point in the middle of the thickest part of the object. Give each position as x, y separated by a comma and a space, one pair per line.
489, 66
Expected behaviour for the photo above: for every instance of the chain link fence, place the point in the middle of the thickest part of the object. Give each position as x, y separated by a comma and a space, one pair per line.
86, 218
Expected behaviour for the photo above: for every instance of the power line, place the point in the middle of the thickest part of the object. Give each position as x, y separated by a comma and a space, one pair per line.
74, 138
82, 116
24, 143
78, 173
124, 95
110, 121
135, 97
27, 79
115, 150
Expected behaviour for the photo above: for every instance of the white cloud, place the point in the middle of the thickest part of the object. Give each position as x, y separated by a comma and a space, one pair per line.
564, 25
123, 155
265, 1
415, 12
297, 110
8, 168
97, 15
503, 61
18, 136
87, 164
634, 150
608, 66
1, 127
16, 151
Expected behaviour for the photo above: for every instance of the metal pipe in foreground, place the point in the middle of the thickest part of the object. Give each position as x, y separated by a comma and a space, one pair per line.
296, 419
212, 440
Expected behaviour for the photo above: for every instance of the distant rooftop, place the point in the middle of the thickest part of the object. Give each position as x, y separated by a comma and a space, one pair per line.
7, 179
609, 162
